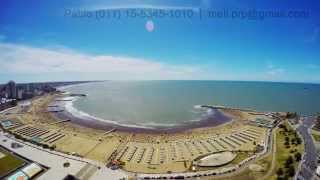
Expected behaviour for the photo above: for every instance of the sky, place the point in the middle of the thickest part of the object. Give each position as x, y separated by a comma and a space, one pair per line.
190, 40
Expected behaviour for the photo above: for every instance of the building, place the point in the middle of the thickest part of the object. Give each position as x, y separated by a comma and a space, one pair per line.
7, 103
32, 170
318, 171
20, 94
11, 90
263, 121
19, 175
28, 172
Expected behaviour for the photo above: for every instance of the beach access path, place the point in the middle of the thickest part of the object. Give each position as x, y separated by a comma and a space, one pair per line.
82, 167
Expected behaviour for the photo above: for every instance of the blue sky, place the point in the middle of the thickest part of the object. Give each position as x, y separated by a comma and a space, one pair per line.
40, 41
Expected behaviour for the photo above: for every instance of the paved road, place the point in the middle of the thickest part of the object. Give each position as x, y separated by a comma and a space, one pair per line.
309, 162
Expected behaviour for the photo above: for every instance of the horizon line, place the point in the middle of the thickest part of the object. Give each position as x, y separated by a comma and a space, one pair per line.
258, 81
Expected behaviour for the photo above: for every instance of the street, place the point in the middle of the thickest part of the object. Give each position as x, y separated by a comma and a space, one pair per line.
309, 162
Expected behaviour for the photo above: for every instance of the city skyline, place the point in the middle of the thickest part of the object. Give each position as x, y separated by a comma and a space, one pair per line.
47, 43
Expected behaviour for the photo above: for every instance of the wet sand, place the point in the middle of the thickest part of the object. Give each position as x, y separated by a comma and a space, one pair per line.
219, 118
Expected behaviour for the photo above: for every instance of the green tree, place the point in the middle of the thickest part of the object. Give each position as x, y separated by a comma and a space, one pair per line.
280, 172
290, 171
287, 139
286, 143
289, 162
298, 140
280, 178
297, 156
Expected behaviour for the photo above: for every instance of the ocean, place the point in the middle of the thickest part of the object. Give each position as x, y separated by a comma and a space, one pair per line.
171, 103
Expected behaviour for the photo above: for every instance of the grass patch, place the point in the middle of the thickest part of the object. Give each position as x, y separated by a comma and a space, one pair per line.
289, 152
287, 145
245, 175
240, 157
316, 135
9, 163
264, 162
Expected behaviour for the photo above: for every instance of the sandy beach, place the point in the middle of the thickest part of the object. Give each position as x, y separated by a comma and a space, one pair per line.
95, 123
141, 150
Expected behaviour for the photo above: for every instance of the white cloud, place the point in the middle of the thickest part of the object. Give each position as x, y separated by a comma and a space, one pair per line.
274, 71
21, 59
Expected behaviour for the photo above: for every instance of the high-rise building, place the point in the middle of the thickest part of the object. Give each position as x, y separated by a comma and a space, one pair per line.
20, 94
12, 90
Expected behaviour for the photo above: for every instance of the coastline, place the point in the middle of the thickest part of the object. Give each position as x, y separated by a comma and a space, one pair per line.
100, 124
106, 142
81, 118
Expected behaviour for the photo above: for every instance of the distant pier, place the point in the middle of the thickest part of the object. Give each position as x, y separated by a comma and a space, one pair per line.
110, 131
67, 120
226, 108
55, 111
82, 95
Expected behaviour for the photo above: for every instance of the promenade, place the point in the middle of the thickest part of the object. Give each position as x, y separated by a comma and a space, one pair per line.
80, 167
